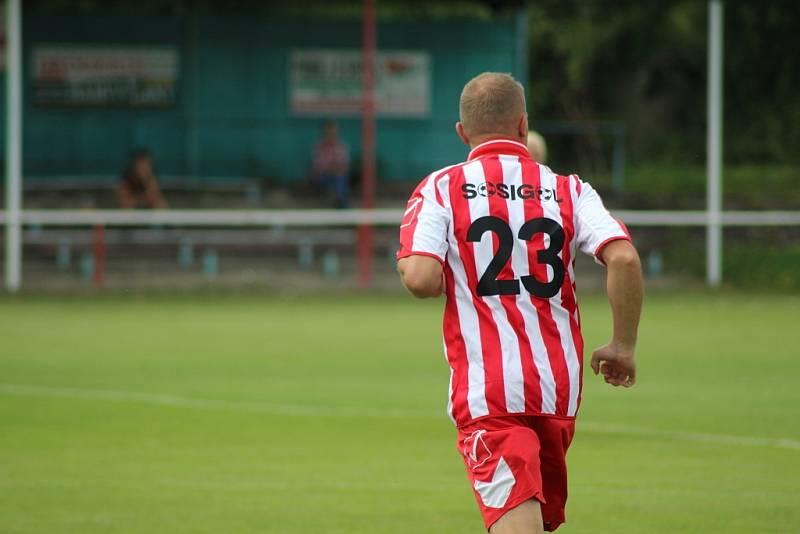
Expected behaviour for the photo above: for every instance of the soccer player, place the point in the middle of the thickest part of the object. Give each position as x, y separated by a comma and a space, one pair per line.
537, 147
497, 235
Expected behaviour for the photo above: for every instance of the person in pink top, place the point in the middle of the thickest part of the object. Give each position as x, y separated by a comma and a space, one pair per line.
331, 164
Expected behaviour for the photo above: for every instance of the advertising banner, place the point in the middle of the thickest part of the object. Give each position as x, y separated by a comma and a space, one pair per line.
329, 82
104, 76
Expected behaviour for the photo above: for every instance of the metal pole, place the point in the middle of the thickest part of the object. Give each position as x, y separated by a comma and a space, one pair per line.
99, 246
13, 144
192, 141
714, 145
365, 232
522, 46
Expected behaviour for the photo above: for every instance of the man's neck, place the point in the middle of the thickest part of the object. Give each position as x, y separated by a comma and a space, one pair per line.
479, 140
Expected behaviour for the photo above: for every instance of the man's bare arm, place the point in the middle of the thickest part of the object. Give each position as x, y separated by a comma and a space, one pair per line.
422, 275
625, 293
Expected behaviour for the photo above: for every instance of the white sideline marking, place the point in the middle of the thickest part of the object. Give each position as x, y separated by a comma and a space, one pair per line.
684, 492
336, 411
202, 404
726, 439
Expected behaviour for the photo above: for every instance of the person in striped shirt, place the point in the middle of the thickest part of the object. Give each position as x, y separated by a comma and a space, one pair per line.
497, 235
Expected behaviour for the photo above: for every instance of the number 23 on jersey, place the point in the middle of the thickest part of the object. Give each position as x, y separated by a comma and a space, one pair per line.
489, 284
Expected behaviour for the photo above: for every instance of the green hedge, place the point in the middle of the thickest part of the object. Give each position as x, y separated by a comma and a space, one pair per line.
768, 264
666, 186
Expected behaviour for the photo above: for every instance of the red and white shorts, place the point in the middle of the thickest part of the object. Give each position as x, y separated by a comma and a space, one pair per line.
512, 459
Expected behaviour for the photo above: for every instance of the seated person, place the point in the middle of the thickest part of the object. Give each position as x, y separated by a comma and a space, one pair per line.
331, 164
139, 186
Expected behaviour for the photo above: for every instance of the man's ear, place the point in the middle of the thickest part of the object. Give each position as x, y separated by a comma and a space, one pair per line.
462, 135
523, 127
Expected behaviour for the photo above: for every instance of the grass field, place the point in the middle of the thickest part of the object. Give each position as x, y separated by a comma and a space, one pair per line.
325, 415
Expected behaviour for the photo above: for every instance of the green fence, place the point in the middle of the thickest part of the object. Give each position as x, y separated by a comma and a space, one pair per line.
231, 117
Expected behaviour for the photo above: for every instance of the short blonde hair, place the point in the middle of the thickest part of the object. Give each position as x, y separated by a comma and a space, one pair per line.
492, 103
537, 146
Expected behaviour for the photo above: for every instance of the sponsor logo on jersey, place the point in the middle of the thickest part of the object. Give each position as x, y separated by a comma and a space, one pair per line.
509, 192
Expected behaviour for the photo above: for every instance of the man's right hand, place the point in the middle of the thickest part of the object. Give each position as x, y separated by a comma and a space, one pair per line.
625, 291
617, 364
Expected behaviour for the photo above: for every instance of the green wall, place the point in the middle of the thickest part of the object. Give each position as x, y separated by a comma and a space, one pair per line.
232, 117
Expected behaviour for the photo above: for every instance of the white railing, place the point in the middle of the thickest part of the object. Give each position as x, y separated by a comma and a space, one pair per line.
100, 219
356, 217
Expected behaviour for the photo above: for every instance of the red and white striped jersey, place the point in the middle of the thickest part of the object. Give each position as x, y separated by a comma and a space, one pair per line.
506, 230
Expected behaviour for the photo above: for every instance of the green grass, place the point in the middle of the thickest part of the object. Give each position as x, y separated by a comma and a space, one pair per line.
293, 441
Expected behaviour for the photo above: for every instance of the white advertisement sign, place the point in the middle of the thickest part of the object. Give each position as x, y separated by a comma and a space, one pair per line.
101, 75
329, 82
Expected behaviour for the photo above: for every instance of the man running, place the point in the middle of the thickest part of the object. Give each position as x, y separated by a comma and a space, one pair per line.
497, 235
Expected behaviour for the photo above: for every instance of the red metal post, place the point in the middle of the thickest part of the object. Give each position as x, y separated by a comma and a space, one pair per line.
365, 232
99, 242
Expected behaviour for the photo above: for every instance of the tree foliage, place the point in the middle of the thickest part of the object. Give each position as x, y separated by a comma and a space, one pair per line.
644, 62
